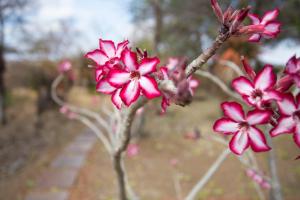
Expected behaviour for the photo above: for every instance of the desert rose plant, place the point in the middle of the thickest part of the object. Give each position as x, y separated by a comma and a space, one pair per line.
133, 78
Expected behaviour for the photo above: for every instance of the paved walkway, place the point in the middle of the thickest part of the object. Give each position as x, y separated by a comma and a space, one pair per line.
54, 183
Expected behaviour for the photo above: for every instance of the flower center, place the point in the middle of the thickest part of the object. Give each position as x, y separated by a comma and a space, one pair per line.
296, 115
257, 94
243, 126
135, 75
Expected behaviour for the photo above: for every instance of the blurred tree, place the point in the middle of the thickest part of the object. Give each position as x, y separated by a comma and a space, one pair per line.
10, 12
179, 27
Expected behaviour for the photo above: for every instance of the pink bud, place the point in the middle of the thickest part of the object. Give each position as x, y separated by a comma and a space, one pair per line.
72, 115
217, 10
132, 150
250, 172
64, 66
63, 110
140, 111
265, 185
257, 178
174, 162
248, 69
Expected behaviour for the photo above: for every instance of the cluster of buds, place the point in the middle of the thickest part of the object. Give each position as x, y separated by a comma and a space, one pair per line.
270, 105
258, 178
132, 150
232, 22
176, 87
67, 112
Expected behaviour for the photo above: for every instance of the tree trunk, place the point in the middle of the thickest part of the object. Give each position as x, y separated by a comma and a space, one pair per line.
2, 86
158, 24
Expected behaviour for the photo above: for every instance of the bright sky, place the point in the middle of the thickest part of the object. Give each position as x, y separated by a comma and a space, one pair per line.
98, 18
111, 19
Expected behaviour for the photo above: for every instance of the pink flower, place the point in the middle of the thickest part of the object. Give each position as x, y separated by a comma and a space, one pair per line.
193, 84
265, 27
174, 162
135, 78
63, 110
292, 70
132, 150
259, 91
243, 128
289, 121
64, 66
107, 53
265, 185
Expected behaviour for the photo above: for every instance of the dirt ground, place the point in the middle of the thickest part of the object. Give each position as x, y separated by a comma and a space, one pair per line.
152, 176
24, 150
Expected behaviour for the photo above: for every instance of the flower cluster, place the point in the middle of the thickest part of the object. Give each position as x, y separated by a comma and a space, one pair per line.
232, 22
120, 73
271, 103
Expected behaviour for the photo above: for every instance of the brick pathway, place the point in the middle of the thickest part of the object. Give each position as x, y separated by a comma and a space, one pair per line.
53, 184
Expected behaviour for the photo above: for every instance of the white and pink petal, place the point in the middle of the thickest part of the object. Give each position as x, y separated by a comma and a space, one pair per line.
149, 87
98, 56
116, 99
243, 86
257, 140
258, 117
287, 105
118, 78
108, 47
284, 125
130, 92
148, 65
265, 79
239, 143
270, 16
120, 48
104, 87
129, 58
233, 111
226, 126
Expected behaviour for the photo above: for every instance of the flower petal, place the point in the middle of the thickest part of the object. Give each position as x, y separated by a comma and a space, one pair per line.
284, 125
116, 99
104, 87
239, 143
98, 73
291, 65
297, 135
148, 65
108, 47
97, 56
272, 29
287, 105
149, 87
270, 16
265, 79
233, 111
254, 18
258, 117
118, 78
272, 95
164, 104
242, 85
254, 38
121, 46
129, 58
257, 140
130, 92
226, 126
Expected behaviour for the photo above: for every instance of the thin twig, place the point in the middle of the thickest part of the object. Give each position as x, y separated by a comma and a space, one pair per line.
219, 82
214, 167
